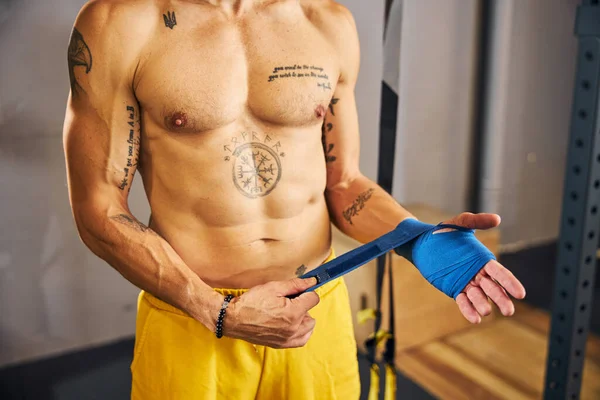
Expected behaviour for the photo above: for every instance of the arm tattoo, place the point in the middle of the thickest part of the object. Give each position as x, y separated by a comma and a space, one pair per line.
301, 270
170, 20
325, 129
357, 205
133, 147
79, 55
334, 101
131, 222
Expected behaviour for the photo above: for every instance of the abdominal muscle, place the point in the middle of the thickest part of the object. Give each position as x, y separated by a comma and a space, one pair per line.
251, 254
228, 238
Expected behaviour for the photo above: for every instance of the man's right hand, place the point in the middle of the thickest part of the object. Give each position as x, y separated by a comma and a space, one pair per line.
266, 316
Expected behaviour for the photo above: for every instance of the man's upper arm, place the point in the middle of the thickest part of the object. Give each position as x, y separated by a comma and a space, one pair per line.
341, 140
102, 123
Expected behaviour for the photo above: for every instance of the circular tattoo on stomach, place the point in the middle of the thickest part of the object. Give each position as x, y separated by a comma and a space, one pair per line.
256, 169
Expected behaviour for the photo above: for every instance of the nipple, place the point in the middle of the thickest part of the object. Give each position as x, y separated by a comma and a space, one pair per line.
320, 111
178, 120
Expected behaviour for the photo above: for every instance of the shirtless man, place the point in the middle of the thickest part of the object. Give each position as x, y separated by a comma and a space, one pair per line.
240, 117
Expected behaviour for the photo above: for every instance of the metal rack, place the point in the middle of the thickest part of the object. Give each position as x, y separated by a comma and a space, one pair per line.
580, 220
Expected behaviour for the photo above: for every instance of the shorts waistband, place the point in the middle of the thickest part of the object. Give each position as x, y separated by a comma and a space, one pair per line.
158, 303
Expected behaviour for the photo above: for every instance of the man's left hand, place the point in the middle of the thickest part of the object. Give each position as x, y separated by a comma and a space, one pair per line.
493, 282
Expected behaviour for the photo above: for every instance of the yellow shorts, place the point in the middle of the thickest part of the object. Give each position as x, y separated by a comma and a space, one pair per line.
177, 358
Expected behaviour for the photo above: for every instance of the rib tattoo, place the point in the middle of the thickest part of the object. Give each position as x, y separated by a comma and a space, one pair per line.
357, 205
79, 55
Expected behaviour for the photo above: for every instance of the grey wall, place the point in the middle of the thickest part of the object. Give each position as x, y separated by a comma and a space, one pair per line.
54, 294
534, 50
526, 121
369, 16
437, 60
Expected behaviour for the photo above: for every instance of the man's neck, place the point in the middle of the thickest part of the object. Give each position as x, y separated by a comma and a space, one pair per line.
238, 6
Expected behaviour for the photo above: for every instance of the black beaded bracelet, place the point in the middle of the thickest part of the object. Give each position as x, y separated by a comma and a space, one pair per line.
219, 330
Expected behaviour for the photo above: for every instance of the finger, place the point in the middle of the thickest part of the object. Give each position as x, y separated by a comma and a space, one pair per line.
307, 325
506, 279
476, 221
467, 309
295, 286
305, 301
302, 340
495, 292
479, 300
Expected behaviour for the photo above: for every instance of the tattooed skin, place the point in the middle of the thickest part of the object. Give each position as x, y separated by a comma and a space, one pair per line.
357, 205
325, 129
256, 163
334, 101
301, 71
131, 222
170, 20
79, 55
301, 270
133, 148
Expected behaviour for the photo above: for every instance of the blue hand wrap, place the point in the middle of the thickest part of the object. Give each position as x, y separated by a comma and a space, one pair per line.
448, 260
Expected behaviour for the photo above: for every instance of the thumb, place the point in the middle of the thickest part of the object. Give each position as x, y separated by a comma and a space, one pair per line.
306, 301
296, 285
476, 221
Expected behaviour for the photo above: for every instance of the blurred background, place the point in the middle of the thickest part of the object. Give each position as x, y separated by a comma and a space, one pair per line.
483, 124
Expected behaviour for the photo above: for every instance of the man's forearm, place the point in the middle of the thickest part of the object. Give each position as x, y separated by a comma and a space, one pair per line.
363, 210
149, 262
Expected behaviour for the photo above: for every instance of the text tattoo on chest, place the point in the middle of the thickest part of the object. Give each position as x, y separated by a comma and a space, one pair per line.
256, 163
303, 71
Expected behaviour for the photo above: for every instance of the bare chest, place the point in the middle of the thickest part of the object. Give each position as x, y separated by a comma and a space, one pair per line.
203, 79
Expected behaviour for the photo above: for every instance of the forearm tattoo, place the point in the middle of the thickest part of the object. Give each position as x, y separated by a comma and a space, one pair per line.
325, 129
357, 205
131, 222
79, 55
133, 147
255, 163
301, 270
170, 20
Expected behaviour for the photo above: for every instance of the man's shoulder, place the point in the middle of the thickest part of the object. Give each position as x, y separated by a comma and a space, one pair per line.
329, 10
337, 24
118, 14
117, 30
333, 19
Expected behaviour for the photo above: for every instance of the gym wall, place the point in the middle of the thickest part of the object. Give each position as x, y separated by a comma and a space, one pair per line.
54, 294
530, 92
526, 111
436, 89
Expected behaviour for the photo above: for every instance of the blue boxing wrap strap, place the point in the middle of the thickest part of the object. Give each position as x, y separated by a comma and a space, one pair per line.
406, 231
448, 260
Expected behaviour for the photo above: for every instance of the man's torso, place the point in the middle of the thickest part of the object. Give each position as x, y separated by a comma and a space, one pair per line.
231, 154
